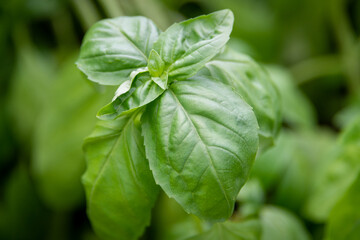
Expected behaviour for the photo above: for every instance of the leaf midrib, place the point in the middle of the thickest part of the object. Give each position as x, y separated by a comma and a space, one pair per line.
207, 151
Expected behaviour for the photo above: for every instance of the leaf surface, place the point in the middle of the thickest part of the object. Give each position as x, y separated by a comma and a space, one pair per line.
252, 83
119, 185
185, 47
113, 48
248, 230
201, 139
143, 90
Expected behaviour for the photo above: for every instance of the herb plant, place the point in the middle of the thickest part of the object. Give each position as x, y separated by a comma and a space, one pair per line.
188, 117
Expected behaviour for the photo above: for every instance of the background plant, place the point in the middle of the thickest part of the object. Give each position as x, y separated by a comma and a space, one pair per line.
312, 48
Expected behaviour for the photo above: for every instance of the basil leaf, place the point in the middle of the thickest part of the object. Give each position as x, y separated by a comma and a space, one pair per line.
344, 220
201, 140
113, 48
119, 185
248, 230
185, 47
252, 83
278, 223
143, 91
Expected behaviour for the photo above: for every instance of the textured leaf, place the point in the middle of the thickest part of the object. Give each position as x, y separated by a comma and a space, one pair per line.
142, 91
113, 48
344, 220
201, 139
280, 224
58, 161
248, 230
119, 185
185, 47
252, 83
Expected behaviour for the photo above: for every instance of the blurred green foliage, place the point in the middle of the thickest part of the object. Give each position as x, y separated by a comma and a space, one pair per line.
305, 187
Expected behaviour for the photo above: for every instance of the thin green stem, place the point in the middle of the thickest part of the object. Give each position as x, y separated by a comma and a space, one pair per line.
86, 12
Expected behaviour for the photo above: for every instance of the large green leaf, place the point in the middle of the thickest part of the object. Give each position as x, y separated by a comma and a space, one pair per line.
248, 230
113, 48
142, 91
201, 139
344, 221
252, 83
280, 224
64, 122
119, 185
185, 47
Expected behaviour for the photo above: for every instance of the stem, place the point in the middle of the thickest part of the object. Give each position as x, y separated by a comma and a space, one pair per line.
316, 67
86, 12
347, 43
112, 8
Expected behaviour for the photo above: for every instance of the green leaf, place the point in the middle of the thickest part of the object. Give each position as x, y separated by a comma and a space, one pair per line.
119, 185
201, 139
344, 220
252, 83
280, 224
185, 47
58, 162
142, 91
337, 175
113, 48
248, 230
156, 65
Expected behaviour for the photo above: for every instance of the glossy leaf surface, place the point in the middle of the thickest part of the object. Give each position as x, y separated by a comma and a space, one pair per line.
119, 185
142, 91
252, 83
185, 47
113, 48
201, 139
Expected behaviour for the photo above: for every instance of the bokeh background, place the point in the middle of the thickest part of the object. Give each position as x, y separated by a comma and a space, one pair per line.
303, 188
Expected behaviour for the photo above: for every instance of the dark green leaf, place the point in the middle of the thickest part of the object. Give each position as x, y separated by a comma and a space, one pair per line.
142, 91
185, 47
113, 48
252, 83
201, 139
119, 185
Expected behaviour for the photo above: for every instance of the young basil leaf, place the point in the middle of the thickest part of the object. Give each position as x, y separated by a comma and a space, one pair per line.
201, 139
119, 185
247, 230
156, 65
185, 47
344, 220
143, 91
113, 48
252, 83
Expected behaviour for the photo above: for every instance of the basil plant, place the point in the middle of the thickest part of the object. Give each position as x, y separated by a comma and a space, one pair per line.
188, 117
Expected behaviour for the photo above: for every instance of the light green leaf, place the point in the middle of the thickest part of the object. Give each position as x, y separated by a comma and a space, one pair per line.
201, 139
58, 161
119, 186
344, 220
248, 230
142, 91
280, 224
337, 175
156, 65
254, 85
113, 48
185, 47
